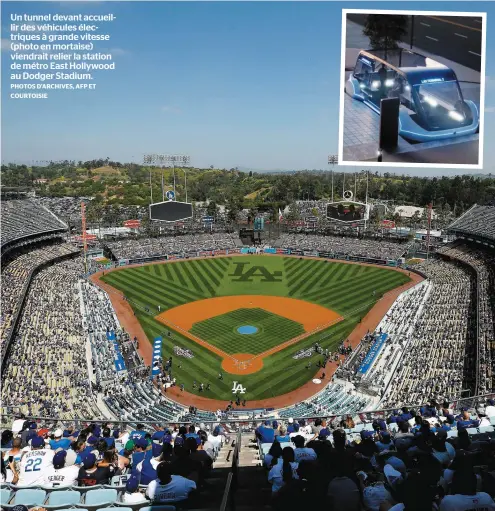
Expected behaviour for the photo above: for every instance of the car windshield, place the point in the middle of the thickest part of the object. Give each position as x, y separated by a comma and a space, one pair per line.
446, 95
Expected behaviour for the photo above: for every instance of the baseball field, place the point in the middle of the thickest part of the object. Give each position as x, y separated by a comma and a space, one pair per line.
246, 317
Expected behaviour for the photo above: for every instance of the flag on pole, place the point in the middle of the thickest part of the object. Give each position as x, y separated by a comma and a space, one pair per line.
280, 216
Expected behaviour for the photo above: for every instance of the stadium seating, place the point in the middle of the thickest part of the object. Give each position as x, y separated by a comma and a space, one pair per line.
22, 218
478, 220
349, 246
154, 247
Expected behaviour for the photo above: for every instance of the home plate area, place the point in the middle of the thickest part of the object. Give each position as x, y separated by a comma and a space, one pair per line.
245, 329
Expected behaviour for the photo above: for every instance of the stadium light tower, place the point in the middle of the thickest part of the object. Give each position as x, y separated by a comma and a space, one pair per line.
332, 160
183, 160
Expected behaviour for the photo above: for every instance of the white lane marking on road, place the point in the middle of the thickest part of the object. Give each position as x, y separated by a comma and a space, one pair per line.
460, 35
425, 24
474, 53
432, 38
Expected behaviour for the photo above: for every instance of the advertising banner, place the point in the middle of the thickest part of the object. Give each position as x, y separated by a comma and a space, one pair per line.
157, 353
311, 253
270, 251
123, 262
132, 224
391, 263
234, 251
297, 252
205, 254
328, 255
171, 257
220, 252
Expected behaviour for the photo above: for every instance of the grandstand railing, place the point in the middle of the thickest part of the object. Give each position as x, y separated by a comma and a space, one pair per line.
455, 403
228, 500
22, 300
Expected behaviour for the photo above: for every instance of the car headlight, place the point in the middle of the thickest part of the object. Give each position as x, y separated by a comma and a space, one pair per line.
389, 83
375, 84
431, 101
456, 116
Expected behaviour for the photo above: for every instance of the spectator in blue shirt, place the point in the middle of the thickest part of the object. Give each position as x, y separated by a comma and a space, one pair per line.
291, 426
139, 432
265, 433
108, 439
466, 422
282, 436
58, 442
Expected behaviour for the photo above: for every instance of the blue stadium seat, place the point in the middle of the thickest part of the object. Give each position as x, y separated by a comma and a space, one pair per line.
29, 497
59, 499
5, 495
96, 499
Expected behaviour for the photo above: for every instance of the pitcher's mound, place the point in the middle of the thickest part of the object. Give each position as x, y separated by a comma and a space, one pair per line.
242, 363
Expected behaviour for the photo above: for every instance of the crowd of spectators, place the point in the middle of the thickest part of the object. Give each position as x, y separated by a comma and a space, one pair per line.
169, 465
478, 220
154, 247
15, 276
484, 264
443, 339
47, 372
398, 323
22, 218
349, 246
432, 458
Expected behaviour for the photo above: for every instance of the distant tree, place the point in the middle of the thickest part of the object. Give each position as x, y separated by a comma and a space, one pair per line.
385, 30
211, 209
293, 213
250, 173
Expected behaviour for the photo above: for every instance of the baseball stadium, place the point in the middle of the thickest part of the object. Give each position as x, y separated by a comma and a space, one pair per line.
199, 355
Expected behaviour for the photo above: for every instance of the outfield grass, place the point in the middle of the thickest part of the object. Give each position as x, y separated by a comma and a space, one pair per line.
349, 289
221, 331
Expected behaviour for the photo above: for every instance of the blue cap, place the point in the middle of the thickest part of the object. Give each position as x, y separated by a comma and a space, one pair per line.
89, 460
366, 434
385, 434
157, 449
132, 484
92, 440
275, 424
267, 423
491, 402
141, 442
59, 459
33, 425
116, 433
37, 441
179, 440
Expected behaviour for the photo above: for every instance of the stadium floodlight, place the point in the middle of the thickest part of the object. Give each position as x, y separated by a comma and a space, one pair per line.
173, 160
332, 160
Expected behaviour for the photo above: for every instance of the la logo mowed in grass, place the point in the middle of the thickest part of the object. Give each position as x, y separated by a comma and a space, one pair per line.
245, 272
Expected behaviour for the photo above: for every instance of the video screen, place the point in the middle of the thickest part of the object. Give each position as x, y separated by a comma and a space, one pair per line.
346, 211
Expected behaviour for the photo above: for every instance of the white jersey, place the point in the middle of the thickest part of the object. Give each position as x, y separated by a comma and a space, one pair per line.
479, 502
34, 464
66, 476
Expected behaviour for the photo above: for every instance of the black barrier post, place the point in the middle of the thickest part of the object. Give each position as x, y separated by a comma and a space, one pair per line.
389, 123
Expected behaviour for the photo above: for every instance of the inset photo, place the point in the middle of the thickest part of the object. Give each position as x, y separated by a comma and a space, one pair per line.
412, 91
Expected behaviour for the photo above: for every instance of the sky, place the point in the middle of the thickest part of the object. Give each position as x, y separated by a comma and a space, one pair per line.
231, 84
